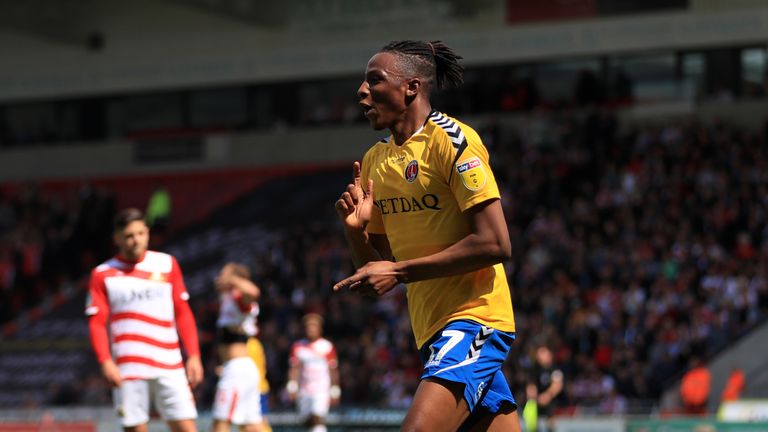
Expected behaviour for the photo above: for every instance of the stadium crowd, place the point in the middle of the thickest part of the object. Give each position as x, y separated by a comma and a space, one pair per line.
48, 240
635, 247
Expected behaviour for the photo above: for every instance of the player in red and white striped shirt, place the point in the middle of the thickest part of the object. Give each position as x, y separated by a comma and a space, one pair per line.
141, 294
313, 378
238, 395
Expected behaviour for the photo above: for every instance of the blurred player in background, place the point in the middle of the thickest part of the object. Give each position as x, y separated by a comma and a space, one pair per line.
238, 395
256, 353
142, 295
313, 377
435, 223
544, 386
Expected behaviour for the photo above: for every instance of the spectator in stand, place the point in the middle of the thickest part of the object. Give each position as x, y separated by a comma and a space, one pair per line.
734, 385
159, 210
732, 390
642, 262
695, 388
141, 294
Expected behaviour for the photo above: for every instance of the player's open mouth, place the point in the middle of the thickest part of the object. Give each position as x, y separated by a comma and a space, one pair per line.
366, 109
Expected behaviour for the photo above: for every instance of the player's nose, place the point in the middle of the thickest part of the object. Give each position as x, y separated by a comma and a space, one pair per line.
362, 91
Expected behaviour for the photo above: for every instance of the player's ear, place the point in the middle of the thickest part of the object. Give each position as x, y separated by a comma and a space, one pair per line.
413, 87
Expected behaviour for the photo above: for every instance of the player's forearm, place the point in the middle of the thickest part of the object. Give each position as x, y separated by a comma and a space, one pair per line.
335, 390
247, 289
469, 254
555, 388
293, 380
293, 374
185, 324
99, 339
334, 376
361, 248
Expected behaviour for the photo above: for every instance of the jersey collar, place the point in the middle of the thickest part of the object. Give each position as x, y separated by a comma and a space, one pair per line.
123, 260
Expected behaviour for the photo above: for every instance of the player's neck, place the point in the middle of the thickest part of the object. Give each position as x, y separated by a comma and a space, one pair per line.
413, 120
133, 260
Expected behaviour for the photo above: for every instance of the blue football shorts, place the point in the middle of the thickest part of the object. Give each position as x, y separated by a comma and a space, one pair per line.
471, 354
265, 403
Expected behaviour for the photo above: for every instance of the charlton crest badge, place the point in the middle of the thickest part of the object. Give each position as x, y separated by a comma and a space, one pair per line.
412, 171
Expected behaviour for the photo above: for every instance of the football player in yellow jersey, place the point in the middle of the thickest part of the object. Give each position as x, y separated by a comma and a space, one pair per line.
256, 353
435, 223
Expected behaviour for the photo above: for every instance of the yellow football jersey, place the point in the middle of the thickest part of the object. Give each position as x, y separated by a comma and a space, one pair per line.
256, 353
421, 189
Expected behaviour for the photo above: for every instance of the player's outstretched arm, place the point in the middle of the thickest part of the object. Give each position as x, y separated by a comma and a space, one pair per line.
487, 244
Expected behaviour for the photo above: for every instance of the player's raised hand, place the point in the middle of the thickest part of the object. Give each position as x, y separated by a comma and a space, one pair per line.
355, 205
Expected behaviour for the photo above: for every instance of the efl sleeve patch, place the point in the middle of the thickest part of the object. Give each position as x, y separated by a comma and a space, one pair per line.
472, 173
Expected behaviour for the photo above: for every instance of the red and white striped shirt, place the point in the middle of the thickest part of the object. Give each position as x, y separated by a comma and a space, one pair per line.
234, 313
315, 359
146, 305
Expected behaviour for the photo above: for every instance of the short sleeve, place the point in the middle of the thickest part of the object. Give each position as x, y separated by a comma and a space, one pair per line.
470, 176
97, 302
293, 358
331, 358
97, 310
177, 281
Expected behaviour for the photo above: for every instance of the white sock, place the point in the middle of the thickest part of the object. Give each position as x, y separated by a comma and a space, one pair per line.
319, 428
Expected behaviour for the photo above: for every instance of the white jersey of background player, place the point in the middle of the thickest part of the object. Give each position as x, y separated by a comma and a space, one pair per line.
313, 377
238, 392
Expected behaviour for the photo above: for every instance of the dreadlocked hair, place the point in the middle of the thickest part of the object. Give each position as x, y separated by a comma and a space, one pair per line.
434, 60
